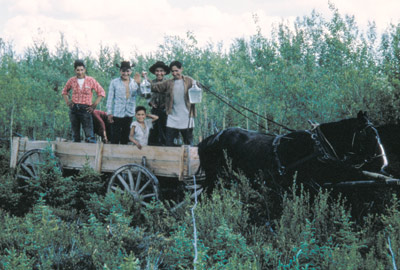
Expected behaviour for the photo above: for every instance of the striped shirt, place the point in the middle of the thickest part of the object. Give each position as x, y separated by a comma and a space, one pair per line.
117, 103
84, 94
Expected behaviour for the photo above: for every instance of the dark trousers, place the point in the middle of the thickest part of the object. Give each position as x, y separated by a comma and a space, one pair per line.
173, 133
78, 115
120, 130
157, 134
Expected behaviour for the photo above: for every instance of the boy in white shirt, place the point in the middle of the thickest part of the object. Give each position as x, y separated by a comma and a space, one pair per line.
140, 128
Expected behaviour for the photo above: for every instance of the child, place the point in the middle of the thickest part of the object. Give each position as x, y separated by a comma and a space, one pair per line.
141, 127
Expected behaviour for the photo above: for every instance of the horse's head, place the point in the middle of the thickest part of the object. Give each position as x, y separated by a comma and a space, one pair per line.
366, 144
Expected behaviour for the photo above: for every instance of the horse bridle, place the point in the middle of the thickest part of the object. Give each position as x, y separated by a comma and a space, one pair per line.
323, 149
372, 158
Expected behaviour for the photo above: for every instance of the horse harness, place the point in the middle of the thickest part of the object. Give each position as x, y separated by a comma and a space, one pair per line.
323, 150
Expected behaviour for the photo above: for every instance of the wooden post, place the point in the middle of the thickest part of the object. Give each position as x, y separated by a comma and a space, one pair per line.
99, 156
22, 144
182, 163
14, 152
189, 165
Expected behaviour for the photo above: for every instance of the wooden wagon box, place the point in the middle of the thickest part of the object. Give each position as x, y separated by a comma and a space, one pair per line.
177, 162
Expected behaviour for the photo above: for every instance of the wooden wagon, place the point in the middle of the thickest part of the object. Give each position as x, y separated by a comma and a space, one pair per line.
132, 170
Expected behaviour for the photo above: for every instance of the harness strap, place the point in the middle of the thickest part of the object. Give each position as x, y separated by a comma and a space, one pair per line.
275, 144
282, 169
323, 150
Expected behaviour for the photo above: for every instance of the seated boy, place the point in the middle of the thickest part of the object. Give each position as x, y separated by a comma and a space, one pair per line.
140, 128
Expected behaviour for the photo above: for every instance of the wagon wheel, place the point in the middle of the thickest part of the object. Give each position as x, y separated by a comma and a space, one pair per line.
137, 181
29, 165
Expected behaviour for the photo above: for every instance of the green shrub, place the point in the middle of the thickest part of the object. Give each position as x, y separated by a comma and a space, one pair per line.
49, 184
86, 183
9, 193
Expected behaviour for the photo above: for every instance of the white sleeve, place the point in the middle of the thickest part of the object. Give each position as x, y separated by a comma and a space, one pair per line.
134, 124
149, 123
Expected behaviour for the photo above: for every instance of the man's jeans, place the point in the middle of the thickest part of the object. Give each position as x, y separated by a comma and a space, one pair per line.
78, 115
173, 133
120, 130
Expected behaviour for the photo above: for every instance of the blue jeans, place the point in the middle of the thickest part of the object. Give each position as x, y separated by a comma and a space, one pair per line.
78, 115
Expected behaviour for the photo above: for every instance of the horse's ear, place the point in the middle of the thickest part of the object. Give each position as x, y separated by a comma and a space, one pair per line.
362, 115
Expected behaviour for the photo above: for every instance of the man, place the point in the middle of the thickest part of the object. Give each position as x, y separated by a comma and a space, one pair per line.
121, 103
81, 106
180, 112
158, 132
101, 125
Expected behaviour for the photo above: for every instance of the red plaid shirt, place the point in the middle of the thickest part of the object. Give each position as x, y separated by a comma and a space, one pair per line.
84, 95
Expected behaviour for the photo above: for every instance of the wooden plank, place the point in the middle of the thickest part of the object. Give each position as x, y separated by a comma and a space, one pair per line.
76, 149
74, 155
99, 156
158, 167
75, 161
26, 145
14, 152
151, 152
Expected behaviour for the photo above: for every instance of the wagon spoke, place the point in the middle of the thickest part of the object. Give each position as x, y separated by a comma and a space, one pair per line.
196, 194
131, 183
144, 186
29, 171
149, 195
138, 180
122, 181
144, 203
35, 161
23, 177
117, 189
35, 169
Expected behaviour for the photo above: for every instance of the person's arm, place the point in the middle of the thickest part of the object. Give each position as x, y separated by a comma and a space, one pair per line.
94, 105
64, 93
153, 117
98, 123
159, 87
67, 101
132, 139
100, 94
105, 139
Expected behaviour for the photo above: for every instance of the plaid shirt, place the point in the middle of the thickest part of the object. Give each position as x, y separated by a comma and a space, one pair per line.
117, 103
83, 95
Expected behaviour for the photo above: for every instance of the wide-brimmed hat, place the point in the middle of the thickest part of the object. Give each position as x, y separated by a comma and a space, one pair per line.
159, 64
125, 65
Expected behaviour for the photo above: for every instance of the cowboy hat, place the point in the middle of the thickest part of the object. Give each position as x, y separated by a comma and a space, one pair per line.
125, 65
159, 64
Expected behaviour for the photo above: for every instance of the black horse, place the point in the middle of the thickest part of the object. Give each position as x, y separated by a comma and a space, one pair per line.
328, 152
